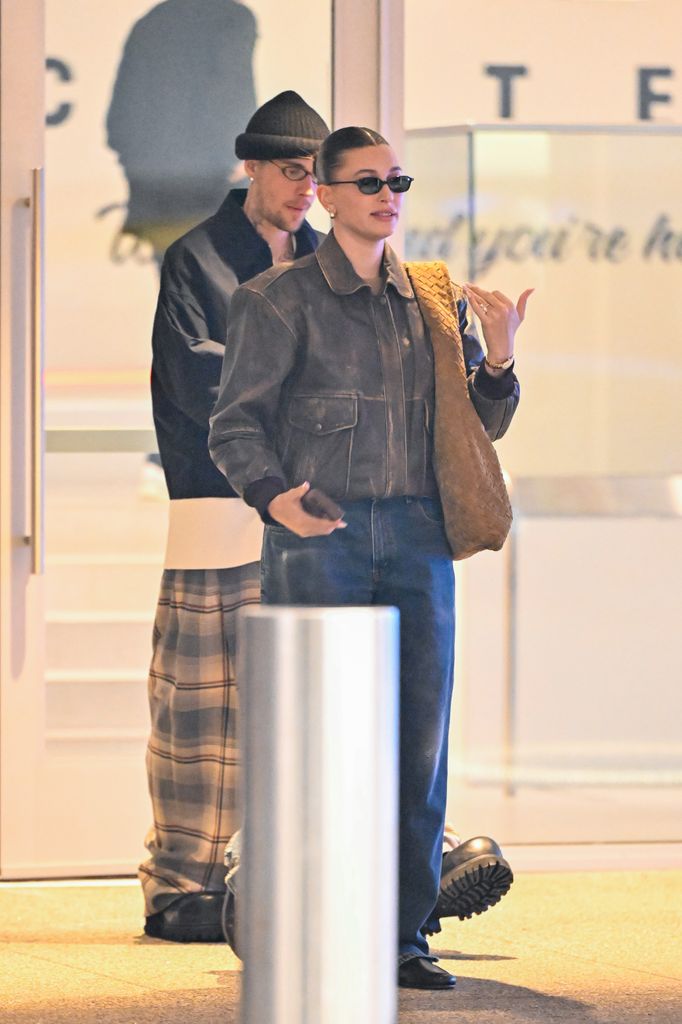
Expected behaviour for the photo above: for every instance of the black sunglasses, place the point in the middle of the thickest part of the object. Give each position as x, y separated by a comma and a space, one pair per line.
370, 186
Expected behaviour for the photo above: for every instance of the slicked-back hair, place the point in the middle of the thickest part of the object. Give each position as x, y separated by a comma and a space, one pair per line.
337, 144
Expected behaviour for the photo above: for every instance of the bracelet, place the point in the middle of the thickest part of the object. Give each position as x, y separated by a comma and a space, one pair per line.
509, 361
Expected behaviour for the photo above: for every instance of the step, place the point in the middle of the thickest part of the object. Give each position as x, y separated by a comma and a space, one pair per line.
97, 503
119, 584
137, 528
81, 703
77, 642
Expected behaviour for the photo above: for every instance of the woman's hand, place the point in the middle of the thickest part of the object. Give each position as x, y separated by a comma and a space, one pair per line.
286, 508
500, 319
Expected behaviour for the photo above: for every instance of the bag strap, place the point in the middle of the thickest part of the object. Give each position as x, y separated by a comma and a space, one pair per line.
437, 296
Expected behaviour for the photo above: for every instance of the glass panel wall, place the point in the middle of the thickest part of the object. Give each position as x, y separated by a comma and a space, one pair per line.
568, 664
144, 101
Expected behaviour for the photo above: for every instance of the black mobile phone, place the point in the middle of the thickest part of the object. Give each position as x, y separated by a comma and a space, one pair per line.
318, 504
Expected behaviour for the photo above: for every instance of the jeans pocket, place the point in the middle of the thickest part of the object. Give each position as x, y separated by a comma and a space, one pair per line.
431, 510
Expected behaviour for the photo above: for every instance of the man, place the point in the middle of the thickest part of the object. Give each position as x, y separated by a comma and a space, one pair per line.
211, 567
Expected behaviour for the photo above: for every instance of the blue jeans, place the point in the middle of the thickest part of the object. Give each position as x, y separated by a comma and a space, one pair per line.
393, 552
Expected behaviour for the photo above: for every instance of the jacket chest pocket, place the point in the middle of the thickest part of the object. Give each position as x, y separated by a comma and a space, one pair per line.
319, 446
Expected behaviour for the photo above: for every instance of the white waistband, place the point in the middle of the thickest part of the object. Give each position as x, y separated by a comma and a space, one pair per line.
212, 533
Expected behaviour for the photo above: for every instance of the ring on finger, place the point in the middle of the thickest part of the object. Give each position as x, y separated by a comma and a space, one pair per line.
484, 307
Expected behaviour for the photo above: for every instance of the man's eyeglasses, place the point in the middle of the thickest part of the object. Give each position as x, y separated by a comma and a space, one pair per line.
294, 172
370, 186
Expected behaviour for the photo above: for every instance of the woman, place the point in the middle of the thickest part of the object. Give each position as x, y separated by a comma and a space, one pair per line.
328, 382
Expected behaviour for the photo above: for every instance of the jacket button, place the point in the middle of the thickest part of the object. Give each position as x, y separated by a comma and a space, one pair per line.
318, 426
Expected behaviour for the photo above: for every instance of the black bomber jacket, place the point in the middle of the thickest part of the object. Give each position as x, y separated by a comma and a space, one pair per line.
200, 274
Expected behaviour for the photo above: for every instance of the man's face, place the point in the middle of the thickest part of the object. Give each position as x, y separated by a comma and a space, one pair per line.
277, 199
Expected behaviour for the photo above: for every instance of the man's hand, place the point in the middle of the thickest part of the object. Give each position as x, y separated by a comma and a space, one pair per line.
500, 319
286, 509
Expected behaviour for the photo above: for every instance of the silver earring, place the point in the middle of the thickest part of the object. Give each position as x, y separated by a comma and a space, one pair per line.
332, 214
251, 179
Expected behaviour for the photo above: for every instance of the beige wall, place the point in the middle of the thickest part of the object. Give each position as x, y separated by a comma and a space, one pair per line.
582, 59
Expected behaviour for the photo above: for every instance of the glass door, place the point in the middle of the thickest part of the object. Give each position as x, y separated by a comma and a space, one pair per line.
568, 663
22, 695
139, 140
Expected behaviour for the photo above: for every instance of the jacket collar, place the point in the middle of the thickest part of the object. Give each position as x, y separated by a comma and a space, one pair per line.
341, 277
240, 245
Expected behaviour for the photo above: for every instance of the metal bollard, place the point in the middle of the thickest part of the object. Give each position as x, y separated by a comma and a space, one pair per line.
317, 905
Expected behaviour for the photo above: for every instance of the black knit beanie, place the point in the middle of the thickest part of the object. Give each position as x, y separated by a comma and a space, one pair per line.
283, 127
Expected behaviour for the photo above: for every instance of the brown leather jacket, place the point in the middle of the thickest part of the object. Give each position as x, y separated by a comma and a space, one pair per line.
322, 381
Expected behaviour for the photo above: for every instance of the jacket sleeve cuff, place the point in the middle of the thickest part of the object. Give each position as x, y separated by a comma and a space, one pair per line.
494, 387
260, 493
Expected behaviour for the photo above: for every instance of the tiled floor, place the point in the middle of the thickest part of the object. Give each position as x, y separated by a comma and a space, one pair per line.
570, 948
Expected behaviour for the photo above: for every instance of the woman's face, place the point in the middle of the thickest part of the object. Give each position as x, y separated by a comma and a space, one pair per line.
367, 217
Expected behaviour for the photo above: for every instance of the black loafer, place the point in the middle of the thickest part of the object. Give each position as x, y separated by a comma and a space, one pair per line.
420, 972
474, 877
229, 923
196, 917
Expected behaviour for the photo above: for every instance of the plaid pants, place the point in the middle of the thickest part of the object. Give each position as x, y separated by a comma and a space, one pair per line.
192, 755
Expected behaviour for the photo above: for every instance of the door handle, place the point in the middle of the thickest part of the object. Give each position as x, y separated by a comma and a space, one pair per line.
37, 322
